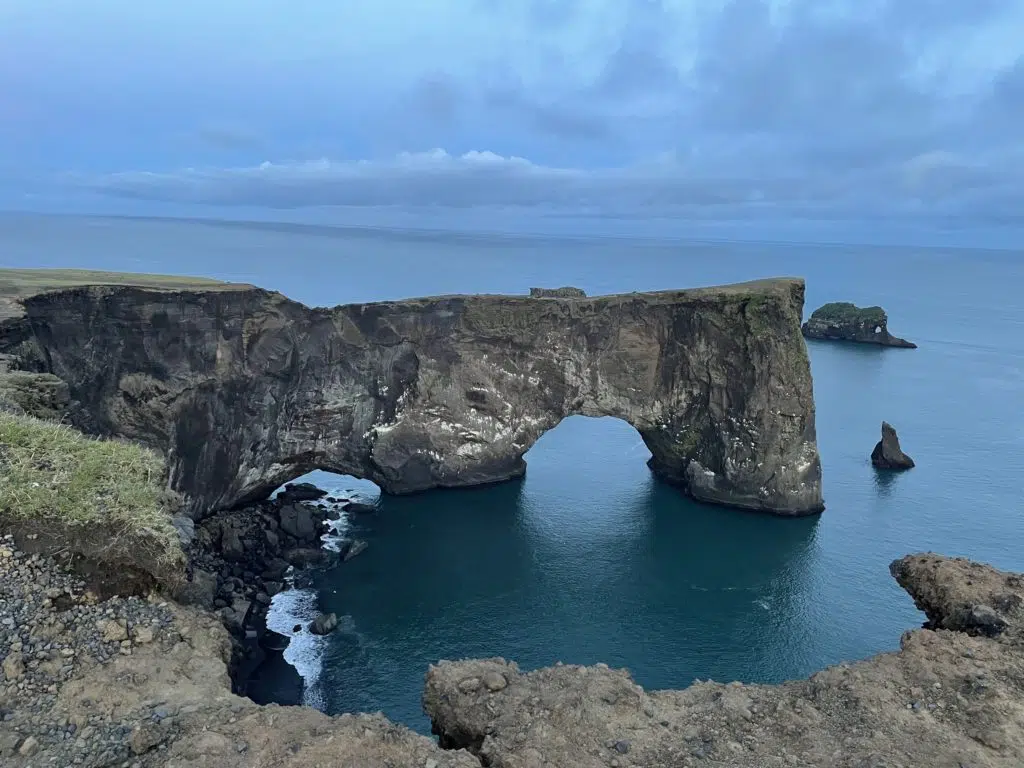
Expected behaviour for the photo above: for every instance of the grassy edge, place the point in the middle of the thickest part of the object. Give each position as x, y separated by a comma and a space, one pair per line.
103, 499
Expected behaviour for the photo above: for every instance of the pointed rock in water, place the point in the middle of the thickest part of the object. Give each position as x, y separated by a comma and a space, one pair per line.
887, 453
323, 624
843, 321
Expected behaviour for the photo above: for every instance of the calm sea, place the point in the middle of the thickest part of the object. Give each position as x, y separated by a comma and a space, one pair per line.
589, 558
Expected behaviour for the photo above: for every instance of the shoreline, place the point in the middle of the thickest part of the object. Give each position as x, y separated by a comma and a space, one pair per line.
144, 681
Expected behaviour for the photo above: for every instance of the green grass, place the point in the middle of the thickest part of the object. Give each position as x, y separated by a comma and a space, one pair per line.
19, 283
104, 498
845, 312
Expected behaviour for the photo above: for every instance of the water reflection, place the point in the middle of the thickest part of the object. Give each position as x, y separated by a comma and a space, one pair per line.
588, 559
885, 481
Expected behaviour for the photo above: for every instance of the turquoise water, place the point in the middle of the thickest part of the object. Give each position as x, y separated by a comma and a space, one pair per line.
589, 558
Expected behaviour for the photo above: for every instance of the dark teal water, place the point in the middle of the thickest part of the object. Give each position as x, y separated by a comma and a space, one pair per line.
589, 558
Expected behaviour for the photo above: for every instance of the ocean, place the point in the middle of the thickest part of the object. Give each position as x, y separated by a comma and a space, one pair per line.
589, 558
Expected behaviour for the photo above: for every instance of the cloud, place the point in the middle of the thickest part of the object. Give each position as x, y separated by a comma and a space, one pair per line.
228, 137
850, 105
437, 178
560, 120
437, 97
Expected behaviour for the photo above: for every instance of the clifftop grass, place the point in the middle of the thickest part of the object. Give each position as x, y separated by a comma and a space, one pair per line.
103, 499
27, 282
845, 312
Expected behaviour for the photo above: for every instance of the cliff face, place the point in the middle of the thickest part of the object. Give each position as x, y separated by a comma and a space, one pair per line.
245, 389
842, 321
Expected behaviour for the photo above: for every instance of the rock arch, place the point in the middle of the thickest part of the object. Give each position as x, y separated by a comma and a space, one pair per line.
245, 389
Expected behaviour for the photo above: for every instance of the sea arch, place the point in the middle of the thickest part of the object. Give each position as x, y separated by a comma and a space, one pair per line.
244, 389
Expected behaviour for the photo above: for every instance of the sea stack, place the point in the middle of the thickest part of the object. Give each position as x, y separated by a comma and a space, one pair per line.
843, 321
887, 453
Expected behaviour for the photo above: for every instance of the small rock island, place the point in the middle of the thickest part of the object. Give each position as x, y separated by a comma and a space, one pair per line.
843, 321
887, 453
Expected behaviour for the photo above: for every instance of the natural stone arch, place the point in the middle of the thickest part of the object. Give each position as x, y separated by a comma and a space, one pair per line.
245, 389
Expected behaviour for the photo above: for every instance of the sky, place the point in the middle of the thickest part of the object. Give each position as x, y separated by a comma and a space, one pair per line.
679, 107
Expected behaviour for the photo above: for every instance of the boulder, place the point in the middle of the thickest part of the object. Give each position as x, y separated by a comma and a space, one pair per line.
300, 521
887, 453
300, 492
231, 544
200, 590
360, 508
273, 641
323, 624
351, 548
311, 557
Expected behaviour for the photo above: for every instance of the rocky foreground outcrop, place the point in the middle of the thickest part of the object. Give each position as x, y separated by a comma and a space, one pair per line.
843, 321
951, 696
143, 683
243, 389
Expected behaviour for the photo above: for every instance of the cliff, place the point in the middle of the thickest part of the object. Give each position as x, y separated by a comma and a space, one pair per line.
244, 389
842, 321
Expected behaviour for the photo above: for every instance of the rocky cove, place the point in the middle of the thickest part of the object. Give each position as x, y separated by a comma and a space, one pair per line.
150, 676
143, 681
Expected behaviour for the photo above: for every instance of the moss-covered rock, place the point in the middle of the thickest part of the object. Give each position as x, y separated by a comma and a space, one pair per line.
105, 500
42, 395
843, 321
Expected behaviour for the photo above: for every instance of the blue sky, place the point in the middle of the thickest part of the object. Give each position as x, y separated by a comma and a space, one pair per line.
865, 106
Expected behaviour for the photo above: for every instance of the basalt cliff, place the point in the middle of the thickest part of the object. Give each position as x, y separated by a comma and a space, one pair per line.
244, 389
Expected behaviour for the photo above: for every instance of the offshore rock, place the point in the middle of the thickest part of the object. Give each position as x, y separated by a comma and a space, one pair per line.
323, 624
843, 321
244, 389
887, 453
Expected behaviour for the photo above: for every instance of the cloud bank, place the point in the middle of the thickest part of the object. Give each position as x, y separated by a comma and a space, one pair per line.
933, 182
900, 106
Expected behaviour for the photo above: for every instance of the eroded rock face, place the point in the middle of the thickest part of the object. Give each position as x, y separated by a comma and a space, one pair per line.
843, 321
245, 389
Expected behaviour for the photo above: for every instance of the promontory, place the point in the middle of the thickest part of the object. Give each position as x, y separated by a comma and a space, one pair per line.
243, 389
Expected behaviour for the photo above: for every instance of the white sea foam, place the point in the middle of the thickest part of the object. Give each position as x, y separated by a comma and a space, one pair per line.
298, 606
